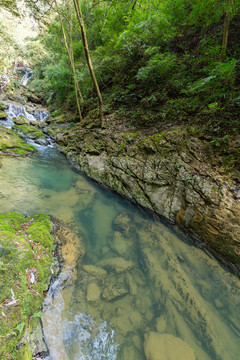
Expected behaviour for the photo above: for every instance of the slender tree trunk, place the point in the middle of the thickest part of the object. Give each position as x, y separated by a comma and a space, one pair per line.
226, 30
71, 60
88, 57
72, 55
135, 3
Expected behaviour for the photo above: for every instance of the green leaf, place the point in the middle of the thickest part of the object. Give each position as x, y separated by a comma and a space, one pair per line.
20, 327
37, 314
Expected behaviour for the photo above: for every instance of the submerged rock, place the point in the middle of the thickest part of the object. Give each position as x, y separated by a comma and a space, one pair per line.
93, 292
119, 244
161, 324
72, 247
114, 288
94, 270
117, 264
166, 347
123, 223
173, 174
132, 285
130, 352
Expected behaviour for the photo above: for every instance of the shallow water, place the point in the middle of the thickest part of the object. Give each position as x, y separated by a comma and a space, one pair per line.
168, 285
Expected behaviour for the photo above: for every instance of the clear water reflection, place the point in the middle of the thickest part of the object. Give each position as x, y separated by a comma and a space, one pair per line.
138, 275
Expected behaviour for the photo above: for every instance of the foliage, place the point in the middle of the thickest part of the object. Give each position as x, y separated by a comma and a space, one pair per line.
155, 60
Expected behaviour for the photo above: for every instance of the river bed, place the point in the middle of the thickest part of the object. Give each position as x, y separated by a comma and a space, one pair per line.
136, 275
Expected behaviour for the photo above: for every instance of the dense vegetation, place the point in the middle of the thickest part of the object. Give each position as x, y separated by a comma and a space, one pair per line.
158, 63
162, 57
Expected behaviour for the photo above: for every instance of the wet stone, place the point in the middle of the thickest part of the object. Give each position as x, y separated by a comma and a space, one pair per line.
137, 341
166, 347
123, 223
3, 115
130, 352
161, 324
21, 120
122, 324
117, 264
119, 244
114, 289
132, 285
93, 292
94, 270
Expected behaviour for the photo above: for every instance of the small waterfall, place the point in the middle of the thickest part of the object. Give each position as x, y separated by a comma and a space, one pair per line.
18, 110
40, 115
32, 115
26, 77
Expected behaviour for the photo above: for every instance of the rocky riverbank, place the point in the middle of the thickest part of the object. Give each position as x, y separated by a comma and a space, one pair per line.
175, 173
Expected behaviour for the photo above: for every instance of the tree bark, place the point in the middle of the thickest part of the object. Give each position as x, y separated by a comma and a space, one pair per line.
226, 31
88, 57
135, 3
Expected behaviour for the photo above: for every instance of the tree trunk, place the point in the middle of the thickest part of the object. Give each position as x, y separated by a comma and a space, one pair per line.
226, 31
88, 57
134, 4
71, 60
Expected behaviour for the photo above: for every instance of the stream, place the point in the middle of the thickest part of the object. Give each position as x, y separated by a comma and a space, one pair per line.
127, 273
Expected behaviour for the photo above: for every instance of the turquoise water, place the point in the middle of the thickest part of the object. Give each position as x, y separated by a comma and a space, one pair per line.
147, 276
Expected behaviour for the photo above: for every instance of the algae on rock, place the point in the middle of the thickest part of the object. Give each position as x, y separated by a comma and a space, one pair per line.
13, 144
30, 131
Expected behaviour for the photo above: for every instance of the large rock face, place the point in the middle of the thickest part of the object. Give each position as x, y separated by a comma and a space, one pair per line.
176, 176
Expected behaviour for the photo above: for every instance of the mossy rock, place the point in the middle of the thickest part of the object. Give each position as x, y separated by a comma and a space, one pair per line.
38, 124
13, 143
30, 131
26, 248
17, 98
93, 145
51, 132
3, 115
21, 120
147, 146
3, 106
60, 119
130, 136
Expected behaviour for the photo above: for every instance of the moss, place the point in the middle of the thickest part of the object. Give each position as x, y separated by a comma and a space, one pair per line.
51, 132
13, 143
115, 149
3, 106
147, 146
130, 136
60, 119
93, 145
29, 130
21, 120
25, 243
3, 115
